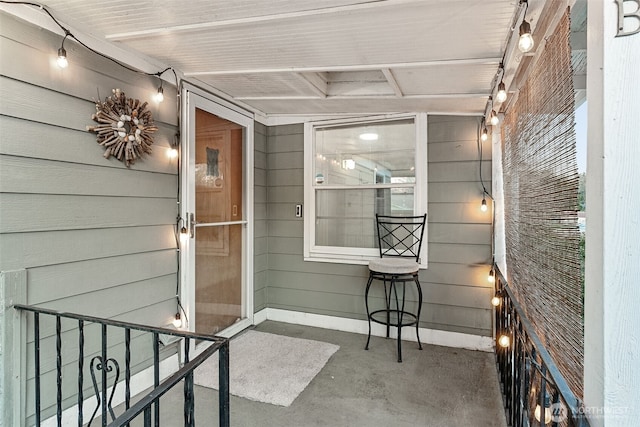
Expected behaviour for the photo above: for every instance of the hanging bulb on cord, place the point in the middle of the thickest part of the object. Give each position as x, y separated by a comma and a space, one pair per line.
484, 135
501, 96
483, 206
177, 320
62, 58
159, 97
494, 120
525, 43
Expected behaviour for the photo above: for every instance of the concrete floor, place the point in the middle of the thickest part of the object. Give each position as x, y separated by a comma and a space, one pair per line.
438, 386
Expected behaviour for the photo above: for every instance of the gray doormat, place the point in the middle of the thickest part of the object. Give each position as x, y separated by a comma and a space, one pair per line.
268, 368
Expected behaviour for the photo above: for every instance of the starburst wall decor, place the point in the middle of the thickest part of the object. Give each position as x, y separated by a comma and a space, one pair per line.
125, 127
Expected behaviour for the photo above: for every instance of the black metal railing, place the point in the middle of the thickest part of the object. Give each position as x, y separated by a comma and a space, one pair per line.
535, 392
104, 363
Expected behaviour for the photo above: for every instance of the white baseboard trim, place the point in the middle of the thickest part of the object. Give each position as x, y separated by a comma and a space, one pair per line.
139, 382
427, 336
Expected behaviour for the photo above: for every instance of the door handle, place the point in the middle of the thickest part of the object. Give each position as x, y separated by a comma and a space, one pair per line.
192, 225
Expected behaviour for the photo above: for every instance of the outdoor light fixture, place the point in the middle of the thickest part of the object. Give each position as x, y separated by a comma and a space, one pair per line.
491, 277
159, 97
349, 164
172, 153
177, 320
495, 301
494, 120
504, 341
547, 410
62, 54
369, 136
501, 96
525, 43
62, 58
484, 136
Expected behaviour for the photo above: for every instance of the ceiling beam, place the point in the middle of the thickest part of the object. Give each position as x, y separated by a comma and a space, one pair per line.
256, 19
315, 82
388, 74
422, 96
368, 67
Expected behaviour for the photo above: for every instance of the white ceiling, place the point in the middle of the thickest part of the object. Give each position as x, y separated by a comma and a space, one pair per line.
317, 57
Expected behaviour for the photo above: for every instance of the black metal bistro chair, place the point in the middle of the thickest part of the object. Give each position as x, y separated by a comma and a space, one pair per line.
400, 241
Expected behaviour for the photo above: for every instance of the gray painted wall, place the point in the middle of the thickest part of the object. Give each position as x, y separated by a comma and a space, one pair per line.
94, 237
455, 286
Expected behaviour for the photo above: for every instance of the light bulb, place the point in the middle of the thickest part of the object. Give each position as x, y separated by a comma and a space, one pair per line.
172, 153
483, 206
501, 96
177, 321
494, 120
159, 97
504, 341
184, 235
495, 301
491, 277
525, 43
484, 135
62, 58
369, 136
547, 414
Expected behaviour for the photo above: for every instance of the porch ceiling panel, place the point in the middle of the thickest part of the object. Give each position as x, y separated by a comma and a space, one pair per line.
278, 56
439, 79
261, 85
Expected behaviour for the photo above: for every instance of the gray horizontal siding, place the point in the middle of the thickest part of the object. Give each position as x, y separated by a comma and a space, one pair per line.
261, 216
456, 292
96, 237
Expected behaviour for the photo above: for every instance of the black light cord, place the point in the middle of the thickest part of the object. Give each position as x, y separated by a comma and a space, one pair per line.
68, 33
479, 144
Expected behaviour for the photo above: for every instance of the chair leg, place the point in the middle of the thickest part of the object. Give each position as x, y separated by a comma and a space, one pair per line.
419, 310
366, 303
387, 301
399, 316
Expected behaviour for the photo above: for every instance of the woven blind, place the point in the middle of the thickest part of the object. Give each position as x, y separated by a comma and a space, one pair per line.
541, 202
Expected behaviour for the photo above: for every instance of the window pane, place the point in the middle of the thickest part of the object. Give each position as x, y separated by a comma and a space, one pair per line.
344, 155
346, 218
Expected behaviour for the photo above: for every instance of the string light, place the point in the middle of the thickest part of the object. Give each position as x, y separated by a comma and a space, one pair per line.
525, 43
547, 410
483, 206
159, 97
491, 277
504, 341
501, 96
177, 320
495, 301
62, 54
494, 120
172, 153
484, 136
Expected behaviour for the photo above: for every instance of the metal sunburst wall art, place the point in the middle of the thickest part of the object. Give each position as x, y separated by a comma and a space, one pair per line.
125, 127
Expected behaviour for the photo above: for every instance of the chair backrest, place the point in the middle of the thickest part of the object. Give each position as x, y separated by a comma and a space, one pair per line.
400, 236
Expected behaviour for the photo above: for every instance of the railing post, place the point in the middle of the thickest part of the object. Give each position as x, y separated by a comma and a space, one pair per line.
58, 371
188, 390
80, 371
36, 346
104, 376
127, 369
223, 381
156, 377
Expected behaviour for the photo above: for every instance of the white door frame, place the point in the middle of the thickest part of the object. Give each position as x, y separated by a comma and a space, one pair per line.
193, 97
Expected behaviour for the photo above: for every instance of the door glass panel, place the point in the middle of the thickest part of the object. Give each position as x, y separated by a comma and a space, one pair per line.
219, 248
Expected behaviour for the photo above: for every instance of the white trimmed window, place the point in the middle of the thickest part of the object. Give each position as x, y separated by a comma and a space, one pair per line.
355, 169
